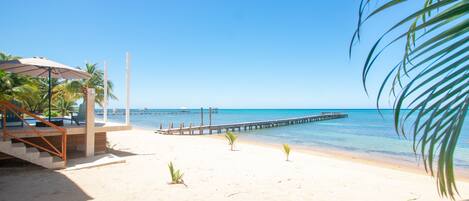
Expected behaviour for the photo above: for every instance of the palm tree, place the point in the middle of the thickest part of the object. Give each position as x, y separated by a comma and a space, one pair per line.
6, 84
8, 81
63, 102
7, 57
31, 95
96, 81
431, 78
64, 106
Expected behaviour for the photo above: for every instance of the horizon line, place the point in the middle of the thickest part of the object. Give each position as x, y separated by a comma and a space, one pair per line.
206, 108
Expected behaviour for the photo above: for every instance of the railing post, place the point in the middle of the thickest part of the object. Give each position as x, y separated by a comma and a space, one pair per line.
64, 146
4, 124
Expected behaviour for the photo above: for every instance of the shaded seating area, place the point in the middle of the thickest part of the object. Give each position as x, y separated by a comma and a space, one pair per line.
79, 117
12, 119
55, 121
18, 119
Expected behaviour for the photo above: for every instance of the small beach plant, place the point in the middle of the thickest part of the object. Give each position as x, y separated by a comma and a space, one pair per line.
231, 139
176, 175
286, 149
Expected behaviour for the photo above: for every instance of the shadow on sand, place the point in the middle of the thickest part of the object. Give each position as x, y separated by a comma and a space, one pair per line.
30, 182
121, 153
21, 180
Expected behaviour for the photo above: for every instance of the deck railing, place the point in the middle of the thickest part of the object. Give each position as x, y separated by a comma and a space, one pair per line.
50, 148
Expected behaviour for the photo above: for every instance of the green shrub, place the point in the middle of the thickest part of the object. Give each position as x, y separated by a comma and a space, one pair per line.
53, 113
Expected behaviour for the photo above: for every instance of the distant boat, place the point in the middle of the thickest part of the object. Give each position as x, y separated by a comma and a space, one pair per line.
184, 109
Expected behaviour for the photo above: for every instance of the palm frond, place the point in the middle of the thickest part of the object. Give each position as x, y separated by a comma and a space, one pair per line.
431, 79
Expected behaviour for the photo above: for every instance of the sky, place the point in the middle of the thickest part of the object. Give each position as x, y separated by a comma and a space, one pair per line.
225, 54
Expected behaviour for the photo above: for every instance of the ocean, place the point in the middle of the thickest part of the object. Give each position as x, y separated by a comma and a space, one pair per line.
365, 132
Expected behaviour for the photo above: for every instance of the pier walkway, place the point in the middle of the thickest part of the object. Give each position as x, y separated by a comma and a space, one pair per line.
156, 112
209, 129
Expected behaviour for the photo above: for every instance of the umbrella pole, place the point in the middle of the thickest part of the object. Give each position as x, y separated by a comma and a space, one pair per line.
50, 93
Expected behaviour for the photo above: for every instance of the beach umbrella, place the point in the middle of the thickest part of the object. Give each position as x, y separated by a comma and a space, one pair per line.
42, 67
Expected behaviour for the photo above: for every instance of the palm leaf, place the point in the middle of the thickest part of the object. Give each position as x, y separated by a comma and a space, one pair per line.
431, 78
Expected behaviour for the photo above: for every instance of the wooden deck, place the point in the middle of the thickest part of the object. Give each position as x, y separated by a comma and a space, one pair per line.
25, 132
209, 129
76, 139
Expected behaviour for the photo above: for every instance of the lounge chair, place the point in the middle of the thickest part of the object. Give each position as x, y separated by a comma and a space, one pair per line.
12, 120
80, 118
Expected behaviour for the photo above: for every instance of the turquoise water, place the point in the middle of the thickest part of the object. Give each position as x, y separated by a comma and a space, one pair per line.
363, 132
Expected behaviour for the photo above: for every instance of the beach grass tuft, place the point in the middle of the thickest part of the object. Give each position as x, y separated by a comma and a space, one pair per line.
176, 175
231, 139
287, 149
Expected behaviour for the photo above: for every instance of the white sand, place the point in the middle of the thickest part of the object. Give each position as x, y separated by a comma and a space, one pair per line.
212, 172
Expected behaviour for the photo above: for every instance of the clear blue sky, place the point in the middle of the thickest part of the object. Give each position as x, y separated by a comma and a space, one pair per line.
226, 54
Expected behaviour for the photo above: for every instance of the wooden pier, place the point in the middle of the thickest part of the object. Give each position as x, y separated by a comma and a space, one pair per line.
210, 129
152, 112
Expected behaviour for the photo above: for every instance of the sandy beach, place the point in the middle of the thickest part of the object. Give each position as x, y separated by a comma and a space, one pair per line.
212, 172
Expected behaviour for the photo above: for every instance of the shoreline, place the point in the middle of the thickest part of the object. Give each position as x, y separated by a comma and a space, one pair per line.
389, 163
213, 172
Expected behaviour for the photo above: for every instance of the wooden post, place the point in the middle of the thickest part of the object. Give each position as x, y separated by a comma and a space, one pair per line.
201, 116
105, 99
127, 86
90, 131
210, 116
4, 124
